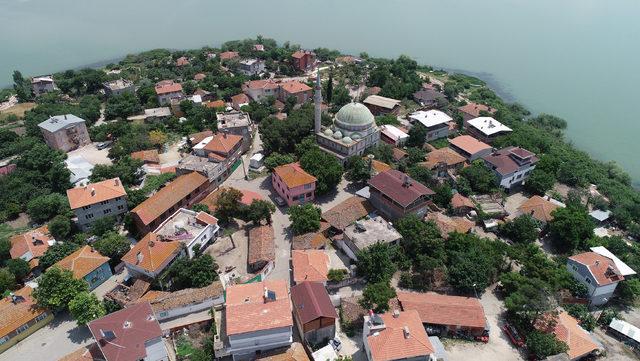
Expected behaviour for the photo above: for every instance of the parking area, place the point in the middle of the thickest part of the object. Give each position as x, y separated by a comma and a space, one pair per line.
91, 154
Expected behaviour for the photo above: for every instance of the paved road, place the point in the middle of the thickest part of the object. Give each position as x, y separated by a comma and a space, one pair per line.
59, 338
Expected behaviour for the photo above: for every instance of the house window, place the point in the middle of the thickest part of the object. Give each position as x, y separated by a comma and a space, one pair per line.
86, 207
588, 280
104, 202
308, 186
41, 317
22, 328
89, 216
118, 198
120, 207
4, 339
107, 211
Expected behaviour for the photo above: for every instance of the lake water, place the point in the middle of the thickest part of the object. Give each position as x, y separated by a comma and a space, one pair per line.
574, 58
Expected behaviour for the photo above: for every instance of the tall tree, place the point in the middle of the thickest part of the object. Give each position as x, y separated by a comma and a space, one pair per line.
304, 218
376, 296
85, 307
228, 204
375, 263
57, 287
325, 167
329, 92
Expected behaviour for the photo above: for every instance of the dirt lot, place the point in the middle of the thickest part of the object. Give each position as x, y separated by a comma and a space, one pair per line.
513, 202
228, 255
92, 154
499, 347
18, 110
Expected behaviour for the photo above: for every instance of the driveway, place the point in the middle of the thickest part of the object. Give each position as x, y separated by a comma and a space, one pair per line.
59, 338
498, 348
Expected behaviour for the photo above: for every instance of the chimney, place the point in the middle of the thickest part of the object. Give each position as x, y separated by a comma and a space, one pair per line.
406, 181
406, 332
93, 192
65, 117
597, 262
396, 313
138, 257
117, 182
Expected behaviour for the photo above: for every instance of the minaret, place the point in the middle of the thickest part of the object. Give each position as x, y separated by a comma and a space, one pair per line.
317, 99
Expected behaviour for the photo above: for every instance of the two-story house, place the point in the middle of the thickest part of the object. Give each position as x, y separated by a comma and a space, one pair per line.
97, 200
65, 132
379, 105
257, 318
600, 271
118, 87
395, 194
238, 123
167, 90
511, 165
300, 91
87, 264
486, 129
20, 316
396, 336
293, 184
152, 255
42, 84
435, 121
220, 148
131, 334
258, 90
30, 246
313, 312
251, 67
303, 60
469, 147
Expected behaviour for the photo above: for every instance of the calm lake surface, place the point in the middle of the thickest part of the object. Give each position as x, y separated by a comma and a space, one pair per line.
574, 58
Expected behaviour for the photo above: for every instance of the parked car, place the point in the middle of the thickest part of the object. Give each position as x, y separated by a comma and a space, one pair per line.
513, 334
336, 344
280, 201
103, 145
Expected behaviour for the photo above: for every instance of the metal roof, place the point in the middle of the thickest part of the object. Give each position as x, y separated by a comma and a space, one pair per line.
58, 122
626, 329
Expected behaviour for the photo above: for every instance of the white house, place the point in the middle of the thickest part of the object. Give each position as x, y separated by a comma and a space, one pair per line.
194, 229
486, 129
393, 135
436, 122
251, 67
511, 165
600, 271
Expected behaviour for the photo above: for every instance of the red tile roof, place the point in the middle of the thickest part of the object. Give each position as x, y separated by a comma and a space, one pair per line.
151, 253
95, 193
247, 309
294, 87
459, 201
392, 184
469, 144
168, 196
182, 61
603, 269
261, 84
444, 310
227, 55
538, 208
311, 301
90, 352
443, 155
293, 175
199, 76
14, 315
474, 109
200, 136
132, 328
82, 262
567, 330
147, 156
261, 245
223, 143
35, 241
310, 265
239, 99
167, 86
391, 343
504, 160
215, 104
347, 212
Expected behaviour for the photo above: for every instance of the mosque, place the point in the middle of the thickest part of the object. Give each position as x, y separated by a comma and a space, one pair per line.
354, 129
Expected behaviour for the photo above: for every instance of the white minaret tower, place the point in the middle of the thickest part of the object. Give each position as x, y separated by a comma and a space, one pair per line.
317, 100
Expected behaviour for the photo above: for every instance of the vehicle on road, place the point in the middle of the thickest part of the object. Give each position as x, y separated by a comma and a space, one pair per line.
336, 344
279, 201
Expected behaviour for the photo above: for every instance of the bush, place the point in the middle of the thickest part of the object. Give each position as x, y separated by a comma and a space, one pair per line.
337, 275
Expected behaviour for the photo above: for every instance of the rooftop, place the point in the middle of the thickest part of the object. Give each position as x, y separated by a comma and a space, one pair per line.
118, 84
293, 87
393, 132
508, 160
293, 175
95, 193
233, 119
428, 95
222, 143
474, 109
399, 187
42, 78
257, 306
169, 196
445, 155
539, 208
310, 265
240, 99
261, 244
603, 269
295, 352
57, 122
448, 224
91, 352
186, 297
469, 144
311, 240
36, 241
458, 201
600, 215
211, 200
14, 314
440, 309
367, 232
622, 267
381, 101
151, 254
184, 225
311, 301
122, 335
167, 86
403, 337
569, 331
430, 118
227, 55
347, 212
488, 126
147, 156
202, 165
626, 329
82, 262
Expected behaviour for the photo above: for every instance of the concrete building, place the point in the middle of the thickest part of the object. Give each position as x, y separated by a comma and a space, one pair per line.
87, 264
293, 184
42, 84
379, 105
251, 67
257, 318
258, 90
65, 132
486, 129
131, 334
215, 172
354, 129
435, 121
600, 271
300, 91
303, 60
512, 166
313, 312
365, 233
118, 87
20, 317
168, 90
238, 123
195, 230
396, 336
430, 98
220, 148
469, 147
395, 194
97, 200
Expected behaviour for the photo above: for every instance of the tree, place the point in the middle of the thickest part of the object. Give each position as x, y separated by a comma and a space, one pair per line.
129, 171
421, 174
358, 170
189, 273
543, 345
228, 204
21, 86
110, 306
337, 274
5, 249
472, 262
157, 138
375, 263
44, 208
388, 119
102, 226
417, 136
480, 178
539, 182
85, 307
376, 296
329, 91
55, 253
415, 155
260, 210
199, 207
443, 195
340, 97
60, 227
121, 106
522, 229
7, 280
304, 218
325, 167
113, 245
57, 287
19, 267
420, 237
630, 290
581, 312
276, 159
570, 227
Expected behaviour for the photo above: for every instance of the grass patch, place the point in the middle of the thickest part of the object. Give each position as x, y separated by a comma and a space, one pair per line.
184, 348
17, 110
440, 143
153, 182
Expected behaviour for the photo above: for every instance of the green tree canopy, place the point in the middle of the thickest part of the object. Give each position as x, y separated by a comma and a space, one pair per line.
543, 345
44, 208
376, 296
55, 253
228, 204
480, 178
325, 167
57, 287
193, 273
570, 228
85, 307
19, 267
260, 210
375, 263
60, 227
523, 229
358, 169
276, 159
7, 280
304, 218
113, 245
